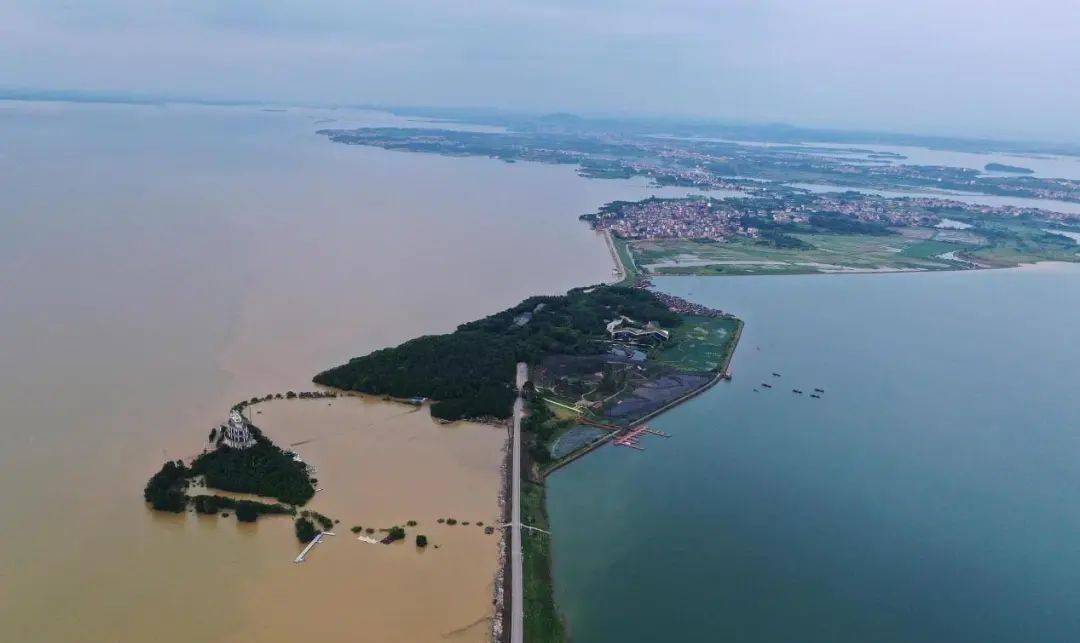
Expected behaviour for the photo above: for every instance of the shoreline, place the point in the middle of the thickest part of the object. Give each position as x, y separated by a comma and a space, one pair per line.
1027, 265
723, 371
620, 269
631, 275
501, 587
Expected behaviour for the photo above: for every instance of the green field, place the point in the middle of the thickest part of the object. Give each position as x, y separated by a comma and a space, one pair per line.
1027, 244
560, 411
831, 253
931, 248
698, 344
910, 249
622, 247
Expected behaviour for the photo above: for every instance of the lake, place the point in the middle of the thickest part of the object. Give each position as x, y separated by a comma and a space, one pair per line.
160, 263
929, 495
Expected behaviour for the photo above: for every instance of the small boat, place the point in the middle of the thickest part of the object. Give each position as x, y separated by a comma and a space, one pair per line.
795, 390
756, 391
819, 390
815, 396
766, 385
776, 374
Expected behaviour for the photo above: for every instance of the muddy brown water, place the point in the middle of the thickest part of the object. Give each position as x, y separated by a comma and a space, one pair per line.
158, 264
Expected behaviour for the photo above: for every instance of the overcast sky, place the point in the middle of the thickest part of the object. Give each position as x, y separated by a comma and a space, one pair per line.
1003, 69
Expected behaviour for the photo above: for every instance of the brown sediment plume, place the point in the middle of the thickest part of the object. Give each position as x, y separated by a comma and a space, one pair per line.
381, 467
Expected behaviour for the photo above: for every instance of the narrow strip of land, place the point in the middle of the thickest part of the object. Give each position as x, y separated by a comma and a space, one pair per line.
517, 592
620, 270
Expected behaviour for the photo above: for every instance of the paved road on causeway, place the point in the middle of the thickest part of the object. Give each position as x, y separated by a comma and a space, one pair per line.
517, 609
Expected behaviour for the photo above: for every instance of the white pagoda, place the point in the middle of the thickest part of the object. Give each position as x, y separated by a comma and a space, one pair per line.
237, 434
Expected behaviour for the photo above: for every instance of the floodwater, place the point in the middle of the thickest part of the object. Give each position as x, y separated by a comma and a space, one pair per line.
157, 264
382, 464
929, 495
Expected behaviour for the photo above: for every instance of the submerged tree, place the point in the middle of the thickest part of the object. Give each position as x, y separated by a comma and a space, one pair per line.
305, 530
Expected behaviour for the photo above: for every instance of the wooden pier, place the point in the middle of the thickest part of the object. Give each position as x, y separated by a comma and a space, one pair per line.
314, 541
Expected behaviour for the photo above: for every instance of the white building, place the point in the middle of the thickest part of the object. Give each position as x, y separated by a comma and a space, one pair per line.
627, 329
237, 434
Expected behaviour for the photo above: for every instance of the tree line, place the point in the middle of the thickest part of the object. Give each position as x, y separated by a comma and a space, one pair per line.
262, 469
471, 370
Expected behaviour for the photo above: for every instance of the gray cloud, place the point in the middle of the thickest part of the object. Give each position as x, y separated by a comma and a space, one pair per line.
1005, 69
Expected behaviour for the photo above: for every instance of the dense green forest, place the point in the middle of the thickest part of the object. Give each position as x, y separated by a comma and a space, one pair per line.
775, 239
165, 489
471, 371
838, 224
263, 469
305, 530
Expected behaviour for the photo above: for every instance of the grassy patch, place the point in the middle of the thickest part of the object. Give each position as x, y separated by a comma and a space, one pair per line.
561, 412
622, 247
1017, 243
542, 622
997, 244
698, 344
830, 253
930, 249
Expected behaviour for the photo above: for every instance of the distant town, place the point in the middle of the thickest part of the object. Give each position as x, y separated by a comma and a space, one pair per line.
782, 208
719, 219
714, 164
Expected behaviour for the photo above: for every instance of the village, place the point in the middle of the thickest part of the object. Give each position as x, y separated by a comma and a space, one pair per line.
721, 219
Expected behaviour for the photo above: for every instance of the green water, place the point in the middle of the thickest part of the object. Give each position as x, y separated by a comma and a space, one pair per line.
932, 494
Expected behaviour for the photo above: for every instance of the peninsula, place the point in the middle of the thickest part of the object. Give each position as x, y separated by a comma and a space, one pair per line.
604, 359
613, 354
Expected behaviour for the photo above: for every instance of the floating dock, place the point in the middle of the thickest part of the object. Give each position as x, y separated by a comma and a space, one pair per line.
631, 438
